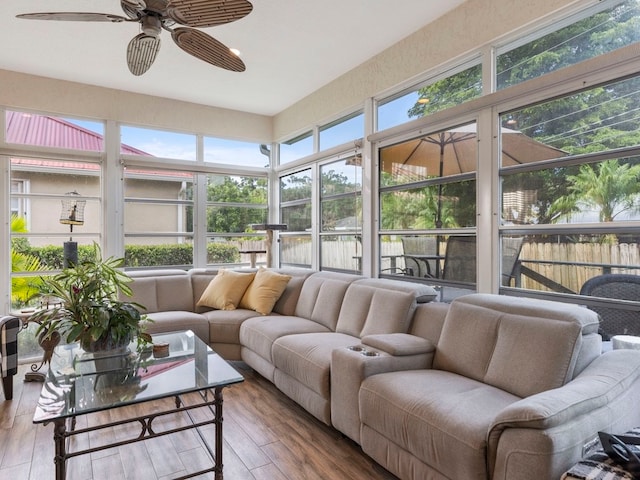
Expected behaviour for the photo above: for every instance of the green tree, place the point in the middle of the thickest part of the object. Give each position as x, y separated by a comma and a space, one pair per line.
23, 289
237, 192
610, 187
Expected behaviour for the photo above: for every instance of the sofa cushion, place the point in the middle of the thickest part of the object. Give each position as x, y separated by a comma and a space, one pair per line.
171, 321
423, 293
264, 291
225, 290
174, 292
523, 354
258, 333
307, 357
321, 297
440, 417
224, 325
369, 310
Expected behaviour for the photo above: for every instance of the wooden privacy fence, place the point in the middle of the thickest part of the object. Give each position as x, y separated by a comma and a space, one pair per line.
568, 265
572, 264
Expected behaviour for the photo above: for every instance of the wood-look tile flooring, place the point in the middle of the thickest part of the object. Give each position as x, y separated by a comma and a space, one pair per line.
267, 436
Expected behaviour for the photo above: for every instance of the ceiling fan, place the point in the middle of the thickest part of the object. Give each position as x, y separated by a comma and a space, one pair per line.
155, 15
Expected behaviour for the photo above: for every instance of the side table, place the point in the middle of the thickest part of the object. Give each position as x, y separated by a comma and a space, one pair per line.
47, 345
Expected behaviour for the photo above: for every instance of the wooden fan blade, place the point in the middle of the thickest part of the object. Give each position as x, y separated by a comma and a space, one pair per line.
141, 53
75, 17
207, 48
207, 13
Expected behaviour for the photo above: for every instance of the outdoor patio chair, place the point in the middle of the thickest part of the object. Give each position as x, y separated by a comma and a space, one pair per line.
414, 247
460, 259
615, 321
9, 327
511, 247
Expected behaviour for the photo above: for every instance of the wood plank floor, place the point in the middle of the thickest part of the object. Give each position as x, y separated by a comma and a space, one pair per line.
267, 437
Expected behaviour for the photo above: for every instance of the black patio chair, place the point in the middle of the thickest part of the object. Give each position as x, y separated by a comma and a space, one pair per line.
615, 321
415, 247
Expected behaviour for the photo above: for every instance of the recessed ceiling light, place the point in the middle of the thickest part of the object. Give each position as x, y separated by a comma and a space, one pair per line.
423, 100
235, 51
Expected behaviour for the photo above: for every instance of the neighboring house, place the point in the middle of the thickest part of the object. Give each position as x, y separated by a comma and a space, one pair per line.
34, 181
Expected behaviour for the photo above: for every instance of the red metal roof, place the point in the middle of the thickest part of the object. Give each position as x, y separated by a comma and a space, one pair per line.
43, 130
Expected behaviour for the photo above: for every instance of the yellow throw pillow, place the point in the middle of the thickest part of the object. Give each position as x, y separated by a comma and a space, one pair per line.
264, 291
226, 289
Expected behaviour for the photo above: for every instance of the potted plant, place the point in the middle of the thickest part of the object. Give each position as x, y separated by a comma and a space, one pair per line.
87, 309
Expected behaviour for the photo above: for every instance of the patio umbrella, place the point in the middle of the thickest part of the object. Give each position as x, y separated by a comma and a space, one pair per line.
455, 151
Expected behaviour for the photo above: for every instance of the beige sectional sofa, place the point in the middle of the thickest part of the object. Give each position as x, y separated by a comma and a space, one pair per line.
486, 387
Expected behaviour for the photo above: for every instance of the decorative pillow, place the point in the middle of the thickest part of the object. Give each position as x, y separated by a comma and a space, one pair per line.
226, 289
264, 291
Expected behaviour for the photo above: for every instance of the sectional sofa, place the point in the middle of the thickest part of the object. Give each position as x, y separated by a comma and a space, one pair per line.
487, 387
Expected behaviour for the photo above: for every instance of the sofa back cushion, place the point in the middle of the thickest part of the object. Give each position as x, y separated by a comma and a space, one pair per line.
370, 310
162, 292
522, 346
321, 297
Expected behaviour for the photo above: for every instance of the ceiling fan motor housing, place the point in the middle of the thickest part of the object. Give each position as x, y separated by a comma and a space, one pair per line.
151, 25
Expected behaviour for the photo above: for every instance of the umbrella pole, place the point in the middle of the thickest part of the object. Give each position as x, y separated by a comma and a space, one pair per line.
439, 207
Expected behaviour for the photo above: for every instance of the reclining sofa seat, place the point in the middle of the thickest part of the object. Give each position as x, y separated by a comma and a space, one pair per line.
334, 310
493, 351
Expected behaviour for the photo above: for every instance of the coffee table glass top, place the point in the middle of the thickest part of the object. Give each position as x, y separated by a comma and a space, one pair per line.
80, 382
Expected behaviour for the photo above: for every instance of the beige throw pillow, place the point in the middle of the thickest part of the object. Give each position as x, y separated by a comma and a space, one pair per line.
264, 291
225, 290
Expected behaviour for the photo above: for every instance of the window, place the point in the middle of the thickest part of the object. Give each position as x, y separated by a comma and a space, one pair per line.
579, 173
297, 147
342, 131
234, 203
430, 98
231, 152
158, 217
610, 27
341, 214
427, 184
18, 200
295, 212
158, 143
24, 128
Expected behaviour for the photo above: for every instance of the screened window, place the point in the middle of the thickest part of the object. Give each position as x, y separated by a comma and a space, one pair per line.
232, 152
234, 203
430, 98
609, 28
158, 143
158, 217
427, 184
582, 172
296, 148
341, 214
295, 212
341, 131
23, 128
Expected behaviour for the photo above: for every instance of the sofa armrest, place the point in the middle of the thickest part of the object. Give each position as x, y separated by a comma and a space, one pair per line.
350, 366
603, 396
399, 344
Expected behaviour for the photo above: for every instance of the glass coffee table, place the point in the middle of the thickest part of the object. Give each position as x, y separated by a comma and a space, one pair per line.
80, 383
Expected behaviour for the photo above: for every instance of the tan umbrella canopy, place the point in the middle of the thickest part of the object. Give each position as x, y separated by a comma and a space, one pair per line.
455, 151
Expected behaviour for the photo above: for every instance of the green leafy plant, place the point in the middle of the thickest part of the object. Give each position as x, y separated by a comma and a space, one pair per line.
83, 305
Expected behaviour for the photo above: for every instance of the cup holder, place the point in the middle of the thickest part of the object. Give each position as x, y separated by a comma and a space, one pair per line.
362, 351
369, 353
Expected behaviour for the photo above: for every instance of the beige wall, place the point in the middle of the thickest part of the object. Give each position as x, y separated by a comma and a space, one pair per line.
23, 91
474, 23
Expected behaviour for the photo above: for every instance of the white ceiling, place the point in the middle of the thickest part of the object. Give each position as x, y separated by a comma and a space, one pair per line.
290, 47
